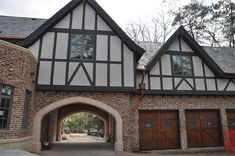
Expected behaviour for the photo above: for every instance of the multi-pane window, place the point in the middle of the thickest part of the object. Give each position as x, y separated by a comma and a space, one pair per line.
5, 105
82, 46
27, 99
182, 65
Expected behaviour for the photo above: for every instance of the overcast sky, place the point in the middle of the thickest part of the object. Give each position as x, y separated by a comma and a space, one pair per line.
122, 11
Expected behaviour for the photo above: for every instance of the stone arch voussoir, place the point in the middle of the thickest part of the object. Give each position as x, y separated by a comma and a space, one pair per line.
36, 145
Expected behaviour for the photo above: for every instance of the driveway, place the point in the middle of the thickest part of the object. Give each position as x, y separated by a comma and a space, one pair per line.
83, 145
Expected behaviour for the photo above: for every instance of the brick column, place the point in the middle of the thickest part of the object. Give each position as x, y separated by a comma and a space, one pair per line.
224, 122
183, 133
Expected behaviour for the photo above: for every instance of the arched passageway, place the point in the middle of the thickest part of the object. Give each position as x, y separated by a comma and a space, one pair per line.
118, 144
68, 110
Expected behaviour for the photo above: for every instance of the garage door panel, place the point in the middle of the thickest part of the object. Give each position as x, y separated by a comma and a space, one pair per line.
164, 132
196, 137
149, 132
204, 129
210, 136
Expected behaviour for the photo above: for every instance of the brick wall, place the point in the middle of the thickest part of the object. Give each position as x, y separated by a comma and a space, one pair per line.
119, 101
17, 66
180, 103
128, 106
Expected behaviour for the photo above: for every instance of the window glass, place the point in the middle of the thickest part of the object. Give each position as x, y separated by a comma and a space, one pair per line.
25, 121
182, 65
177, 65
5, 104
82, 46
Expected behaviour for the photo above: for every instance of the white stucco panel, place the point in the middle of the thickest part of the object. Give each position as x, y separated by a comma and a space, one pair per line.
174, 46
89, 68
115, 48
77, 17
72, 67
156, 69
184, 86
35, 49
190, 81
208, 72
102, 48
89, 18
115, 75
155, 83
177, 81
64, 23
61, 46
59, 73
166, 64
101, 74
44, 75
101, 25
221, 84
167, 83
128, 67
231, 87
210, 84
185, 47
80, 79
200, 84
47, 45
197, 66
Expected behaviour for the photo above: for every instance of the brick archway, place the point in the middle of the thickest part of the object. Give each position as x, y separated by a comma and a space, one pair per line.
36, 145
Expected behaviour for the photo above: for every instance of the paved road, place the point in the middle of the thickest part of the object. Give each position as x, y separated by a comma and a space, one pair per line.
102, 149
15, 152
82, 145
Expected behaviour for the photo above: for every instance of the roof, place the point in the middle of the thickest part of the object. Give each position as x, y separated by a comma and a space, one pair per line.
66, 10
223, 56
209, 61
18, 27
151, 50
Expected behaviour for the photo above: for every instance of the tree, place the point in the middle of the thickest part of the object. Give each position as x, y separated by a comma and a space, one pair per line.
208, 24
141, 31
193, 17
80, 121
155, 30
224, 12
164, 21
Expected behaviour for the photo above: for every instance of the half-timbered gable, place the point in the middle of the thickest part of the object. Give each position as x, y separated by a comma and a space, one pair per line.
82, 48
181, 66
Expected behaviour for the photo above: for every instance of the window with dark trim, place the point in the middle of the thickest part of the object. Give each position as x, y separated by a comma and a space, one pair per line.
182, 65
27, 99
82, 46
5, 105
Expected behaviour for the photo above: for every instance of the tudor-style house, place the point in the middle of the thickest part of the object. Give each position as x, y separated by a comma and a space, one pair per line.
81, 60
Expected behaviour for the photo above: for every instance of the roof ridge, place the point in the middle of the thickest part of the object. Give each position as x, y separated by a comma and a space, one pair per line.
23, 17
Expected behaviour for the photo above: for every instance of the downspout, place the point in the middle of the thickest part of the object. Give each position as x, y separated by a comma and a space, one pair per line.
142, 84
139, 102
141, 90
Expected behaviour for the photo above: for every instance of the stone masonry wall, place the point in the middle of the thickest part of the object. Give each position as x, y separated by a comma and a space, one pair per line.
17, 68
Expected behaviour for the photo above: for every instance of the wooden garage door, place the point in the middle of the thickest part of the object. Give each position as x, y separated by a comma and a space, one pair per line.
231, 119
158, 130
203, 128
